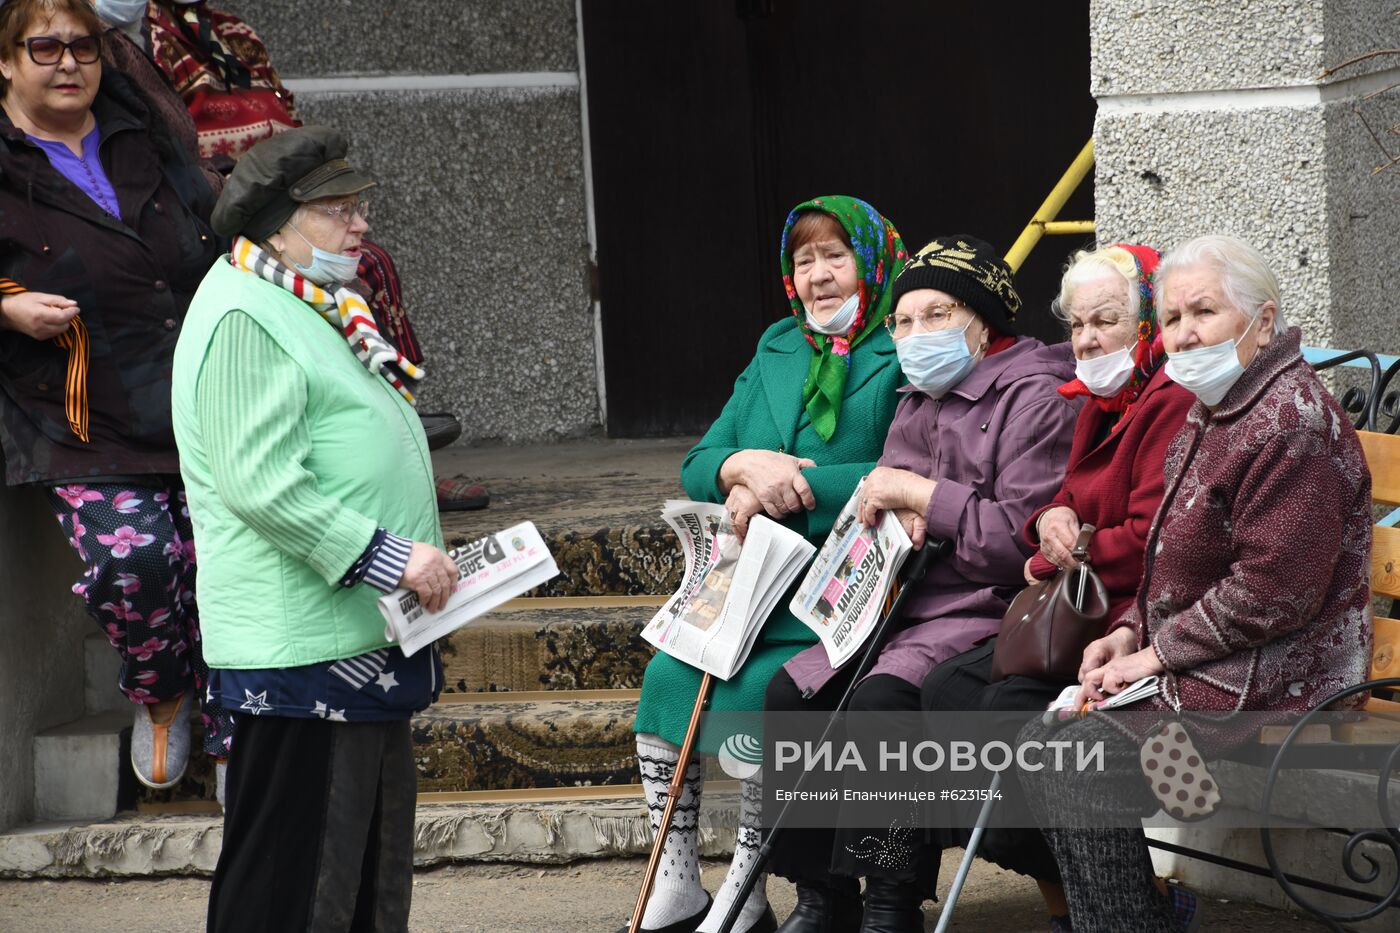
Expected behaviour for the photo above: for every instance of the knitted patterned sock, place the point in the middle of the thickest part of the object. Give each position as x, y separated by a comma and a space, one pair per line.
746, 844
677, 892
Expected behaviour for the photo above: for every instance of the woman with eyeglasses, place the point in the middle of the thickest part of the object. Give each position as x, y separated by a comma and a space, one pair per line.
978, 443
103, 219
1114, 481
311, 493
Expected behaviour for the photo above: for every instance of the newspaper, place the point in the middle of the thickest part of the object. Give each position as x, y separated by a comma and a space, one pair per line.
843, 594
729, 589
491, 570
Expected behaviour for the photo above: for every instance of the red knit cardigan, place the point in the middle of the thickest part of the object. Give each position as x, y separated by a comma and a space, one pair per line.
1116, 485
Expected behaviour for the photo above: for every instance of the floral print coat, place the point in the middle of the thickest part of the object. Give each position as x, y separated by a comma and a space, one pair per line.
1255, 594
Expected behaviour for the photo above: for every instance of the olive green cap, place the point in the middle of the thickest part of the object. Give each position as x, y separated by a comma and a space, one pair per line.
278, 174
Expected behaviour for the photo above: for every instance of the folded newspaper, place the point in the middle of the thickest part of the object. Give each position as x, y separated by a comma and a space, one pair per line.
729, 589
491, 570
843, 594
1148, 686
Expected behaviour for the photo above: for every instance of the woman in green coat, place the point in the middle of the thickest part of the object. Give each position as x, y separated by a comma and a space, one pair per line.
806, 421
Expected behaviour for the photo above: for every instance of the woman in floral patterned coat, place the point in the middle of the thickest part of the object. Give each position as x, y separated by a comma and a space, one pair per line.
1254, 595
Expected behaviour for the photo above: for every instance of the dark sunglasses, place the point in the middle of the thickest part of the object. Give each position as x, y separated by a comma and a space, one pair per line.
48, 50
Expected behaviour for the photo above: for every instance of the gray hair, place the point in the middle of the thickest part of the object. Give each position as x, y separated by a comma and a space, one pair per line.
1088, 265
1246, 279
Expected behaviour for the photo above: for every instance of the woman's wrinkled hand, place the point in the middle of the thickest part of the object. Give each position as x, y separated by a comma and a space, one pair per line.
888, 488
742, 506
1058, 529
36, 314
1124, 668
431, 574
915, 526
775, 479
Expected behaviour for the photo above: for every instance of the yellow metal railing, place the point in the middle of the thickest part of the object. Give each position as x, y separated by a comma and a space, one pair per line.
1044, 222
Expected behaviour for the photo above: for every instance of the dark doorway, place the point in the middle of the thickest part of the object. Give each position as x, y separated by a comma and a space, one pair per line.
709, 120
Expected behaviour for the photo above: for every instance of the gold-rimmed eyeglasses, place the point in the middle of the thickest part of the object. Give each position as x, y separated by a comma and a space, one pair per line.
931, 317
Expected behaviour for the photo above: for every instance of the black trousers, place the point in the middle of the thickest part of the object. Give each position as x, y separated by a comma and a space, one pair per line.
318, 828
836, 856
964, 683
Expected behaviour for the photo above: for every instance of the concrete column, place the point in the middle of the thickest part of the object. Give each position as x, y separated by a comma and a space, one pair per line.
42, 625
1213, 117
468, 113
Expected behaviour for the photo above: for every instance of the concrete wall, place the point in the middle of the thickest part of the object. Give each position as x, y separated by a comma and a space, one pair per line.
1213, 118
41, 630
468, 113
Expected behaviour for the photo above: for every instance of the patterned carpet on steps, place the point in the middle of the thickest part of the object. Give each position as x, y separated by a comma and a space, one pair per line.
605, 532
567, 742
581, 649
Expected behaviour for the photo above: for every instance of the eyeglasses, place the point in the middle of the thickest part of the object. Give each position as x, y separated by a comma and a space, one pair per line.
933, 317
48, 50
344, 212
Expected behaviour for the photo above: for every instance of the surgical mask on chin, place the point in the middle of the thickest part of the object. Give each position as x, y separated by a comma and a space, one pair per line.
1105, 375
841, 321
121, 12
935, 361
1209, 372
327, 268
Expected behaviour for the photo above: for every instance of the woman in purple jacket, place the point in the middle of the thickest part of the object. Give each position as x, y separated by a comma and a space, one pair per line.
979, 442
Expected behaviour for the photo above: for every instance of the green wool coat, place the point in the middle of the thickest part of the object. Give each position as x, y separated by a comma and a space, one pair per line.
765, 412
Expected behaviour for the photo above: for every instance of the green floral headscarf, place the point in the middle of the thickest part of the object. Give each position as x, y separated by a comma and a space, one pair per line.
880, 254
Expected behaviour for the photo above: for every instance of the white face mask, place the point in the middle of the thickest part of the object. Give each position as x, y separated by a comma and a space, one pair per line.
840, 322
1105, 375
121, 12
1209, 372
935, 361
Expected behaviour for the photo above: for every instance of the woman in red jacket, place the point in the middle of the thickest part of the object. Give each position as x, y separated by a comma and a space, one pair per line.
1114, 482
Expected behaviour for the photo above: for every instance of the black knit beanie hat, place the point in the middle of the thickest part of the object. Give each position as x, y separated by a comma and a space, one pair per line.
971, 271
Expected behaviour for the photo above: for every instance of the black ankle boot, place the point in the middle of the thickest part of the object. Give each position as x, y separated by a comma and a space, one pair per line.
892, 907
824, 908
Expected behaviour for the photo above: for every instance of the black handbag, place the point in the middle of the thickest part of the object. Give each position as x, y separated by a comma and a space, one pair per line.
1048, 624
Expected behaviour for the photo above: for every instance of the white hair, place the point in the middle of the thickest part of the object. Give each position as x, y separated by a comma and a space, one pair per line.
1246, 279
1091, 265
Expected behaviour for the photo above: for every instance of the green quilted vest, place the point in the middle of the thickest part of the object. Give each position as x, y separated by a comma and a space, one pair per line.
260, 607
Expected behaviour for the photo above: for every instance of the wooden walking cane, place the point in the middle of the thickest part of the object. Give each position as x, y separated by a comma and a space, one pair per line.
673, 795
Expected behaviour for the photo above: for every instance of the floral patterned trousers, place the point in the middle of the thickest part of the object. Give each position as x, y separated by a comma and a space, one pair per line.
138, 547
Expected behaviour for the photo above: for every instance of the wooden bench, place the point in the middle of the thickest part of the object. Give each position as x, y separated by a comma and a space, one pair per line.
1369, 743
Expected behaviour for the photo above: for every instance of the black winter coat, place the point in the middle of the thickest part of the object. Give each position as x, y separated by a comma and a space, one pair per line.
133, 278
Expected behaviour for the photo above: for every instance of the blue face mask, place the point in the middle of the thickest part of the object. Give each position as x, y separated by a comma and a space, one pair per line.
327, 268
935, 361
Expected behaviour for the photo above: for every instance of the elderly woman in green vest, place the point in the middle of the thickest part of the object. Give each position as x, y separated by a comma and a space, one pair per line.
806, 421
311, 494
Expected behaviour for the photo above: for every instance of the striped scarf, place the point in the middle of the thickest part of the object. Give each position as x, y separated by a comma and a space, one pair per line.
344, 309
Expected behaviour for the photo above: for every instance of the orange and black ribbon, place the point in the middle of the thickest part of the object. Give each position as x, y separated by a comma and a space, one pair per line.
75, 341
75, 398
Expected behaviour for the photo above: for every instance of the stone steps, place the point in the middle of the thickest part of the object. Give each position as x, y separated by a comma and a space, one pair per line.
529, 754
544, 830
82, 769
551, 644
598, 509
